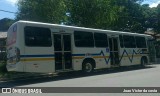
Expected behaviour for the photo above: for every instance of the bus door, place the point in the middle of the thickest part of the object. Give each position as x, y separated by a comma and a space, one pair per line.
114, 51
62, 50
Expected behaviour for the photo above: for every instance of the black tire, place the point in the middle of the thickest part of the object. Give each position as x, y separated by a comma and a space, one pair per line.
87, 67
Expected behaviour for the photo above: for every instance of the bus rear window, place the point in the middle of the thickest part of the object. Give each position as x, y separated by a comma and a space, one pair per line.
37, 36
141, 42
11, 35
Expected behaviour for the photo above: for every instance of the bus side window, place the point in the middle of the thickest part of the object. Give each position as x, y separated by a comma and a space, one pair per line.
83, 39
129, 41
101, 40
37, 36
141, 42
121, 41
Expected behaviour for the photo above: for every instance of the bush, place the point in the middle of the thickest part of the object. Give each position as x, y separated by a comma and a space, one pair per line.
3, 69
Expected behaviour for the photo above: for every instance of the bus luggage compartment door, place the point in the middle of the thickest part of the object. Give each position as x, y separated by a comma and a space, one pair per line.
62, 49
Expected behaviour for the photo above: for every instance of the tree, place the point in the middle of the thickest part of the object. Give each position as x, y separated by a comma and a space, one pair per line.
51, 11
122, 15
157, 25
149, 16
106, 14
93, 13
5, 23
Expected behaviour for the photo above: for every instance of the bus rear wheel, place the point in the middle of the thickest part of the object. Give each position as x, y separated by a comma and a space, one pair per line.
87, 67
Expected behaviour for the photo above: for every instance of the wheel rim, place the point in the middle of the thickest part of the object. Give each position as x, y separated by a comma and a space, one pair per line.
88, 67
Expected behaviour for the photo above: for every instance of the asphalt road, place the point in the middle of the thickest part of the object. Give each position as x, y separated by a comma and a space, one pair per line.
125, 77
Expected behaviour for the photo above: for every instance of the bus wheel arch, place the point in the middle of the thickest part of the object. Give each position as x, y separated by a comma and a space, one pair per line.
144, 61
88, 65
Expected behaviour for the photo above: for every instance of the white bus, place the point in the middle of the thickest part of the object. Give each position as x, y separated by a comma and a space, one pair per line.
44, 47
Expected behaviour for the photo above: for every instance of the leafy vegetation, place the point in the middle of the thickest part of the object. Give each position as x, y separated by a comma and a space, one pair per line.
3, 69
52, 11
122, 15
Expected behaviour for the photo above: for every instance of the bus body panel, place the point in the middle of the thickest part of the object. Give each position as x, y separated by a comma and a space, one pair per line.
43, 59
130, 56
14, 48
38, 59
98, 54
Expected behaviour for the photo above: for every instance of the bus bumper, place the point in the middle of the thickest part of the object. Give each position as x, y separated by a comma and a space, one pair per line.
11, 67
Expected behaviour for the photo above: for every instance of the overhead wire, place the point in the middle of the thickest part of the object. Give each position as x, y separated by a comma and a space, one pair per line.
8, 11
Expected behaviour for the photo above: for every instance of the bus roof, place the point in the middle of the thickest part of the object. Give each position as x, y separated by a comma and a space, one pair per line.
79, 28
